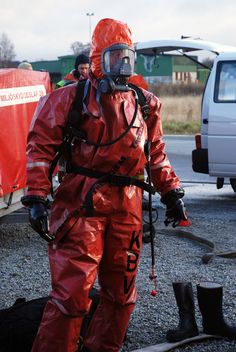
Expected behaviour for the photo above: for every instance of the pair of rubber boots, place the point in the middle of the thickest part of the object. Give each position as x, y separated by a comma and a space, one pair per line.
210, 299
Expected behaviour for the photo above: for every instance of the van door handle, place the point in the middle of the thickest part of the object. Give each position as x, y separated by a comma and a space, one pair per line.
205, 121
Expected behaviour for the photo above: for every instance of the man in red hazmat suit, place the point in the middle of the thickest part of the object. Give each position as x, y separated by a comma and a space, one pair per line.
96, 216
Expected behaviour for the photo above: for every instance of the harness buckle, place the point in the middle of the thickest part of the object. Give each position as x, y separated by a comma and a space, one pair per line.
145, 110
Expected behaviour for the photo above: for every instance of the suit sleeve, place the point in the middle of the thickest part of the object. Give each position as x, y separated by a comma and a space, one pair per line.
45, 137
163, 175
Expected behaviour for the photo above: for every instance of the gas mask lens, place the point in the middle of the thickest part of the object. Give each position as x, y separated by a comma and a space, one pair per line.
118, 60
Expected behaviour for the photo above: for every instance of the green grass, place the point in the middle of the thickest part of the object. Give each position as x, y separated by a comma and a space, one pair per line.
180, 127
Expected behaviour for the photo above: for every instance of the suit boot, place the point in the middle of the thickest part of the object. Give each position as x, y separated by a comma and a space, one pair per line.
210, 298
187, 326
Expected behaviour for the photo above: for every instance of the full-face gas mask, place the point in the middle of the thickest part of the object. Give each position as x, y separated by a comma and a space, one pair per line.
117, 62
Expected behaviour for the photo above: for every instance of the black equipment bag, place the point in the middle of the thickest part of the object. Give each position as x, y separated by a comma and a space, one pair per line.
20, 322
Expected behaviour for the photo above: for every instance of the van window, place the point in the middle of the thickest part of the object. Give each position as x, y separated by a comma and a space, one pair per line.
225, 86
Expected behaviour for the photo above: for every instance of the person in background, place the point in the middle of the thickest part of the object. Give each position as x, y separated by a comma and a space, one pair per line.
80, 71
95, 222
24, 65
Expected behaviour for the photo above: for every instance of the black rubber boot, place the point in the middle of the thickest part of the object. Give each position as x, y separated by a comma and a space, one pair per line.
210, 298
187, 324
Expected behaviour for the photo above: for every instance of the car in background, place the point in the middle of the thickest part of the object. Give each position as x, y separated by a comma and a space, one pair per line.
215, 152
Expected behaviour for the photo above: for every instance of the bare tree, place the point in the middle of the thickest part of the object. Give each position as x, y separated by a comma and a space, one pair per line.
7, 53
80, 48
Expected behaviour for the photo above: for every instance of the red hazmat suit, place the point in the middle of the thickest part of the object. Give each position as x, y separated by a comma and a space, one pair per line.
108, 243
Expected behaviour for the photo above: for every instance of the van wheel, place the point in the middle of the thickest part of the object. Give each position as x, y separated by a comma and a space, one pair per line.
233, 183
220, 182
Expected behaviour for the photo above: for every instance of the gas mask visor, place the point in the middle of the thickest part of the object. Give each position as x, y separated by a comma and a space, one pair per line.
118, 61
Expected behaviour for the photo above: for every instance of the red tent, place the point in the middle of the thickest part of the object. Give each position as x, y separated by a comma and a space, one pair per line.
20, 91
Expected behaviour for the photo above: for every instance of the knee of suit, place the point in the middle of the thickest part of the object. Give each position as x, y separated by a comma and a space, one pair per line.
121, 298
72, 307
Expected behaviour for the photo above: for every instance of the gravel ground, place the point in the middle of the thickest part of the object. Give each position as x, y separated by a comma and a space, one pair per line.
25, 273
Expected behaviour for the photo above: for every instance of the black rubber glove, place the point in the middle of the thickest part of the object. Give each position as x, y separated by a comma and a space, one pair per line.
38, 215
176, 210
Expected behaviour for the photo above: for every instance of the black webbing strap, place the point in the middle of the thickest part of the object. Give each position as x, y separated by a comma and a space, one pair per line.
141, 100
113, 179
73, 120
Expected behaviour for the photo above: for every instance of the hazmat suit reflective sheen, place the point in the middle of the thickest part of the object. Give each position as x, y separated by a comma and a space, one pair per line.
108, 243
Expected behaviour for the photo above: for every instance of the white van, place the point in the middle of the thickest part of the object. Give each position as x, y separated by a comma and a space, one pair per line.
215, 152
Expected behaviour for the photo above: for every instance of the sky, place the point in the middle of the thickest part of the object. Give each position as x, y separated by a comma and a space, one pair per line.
45, 29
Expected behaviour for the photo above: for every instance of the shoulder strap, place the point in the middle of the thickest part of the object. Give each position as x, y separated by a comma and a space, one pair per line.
74, 116
78, 101
141, 100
